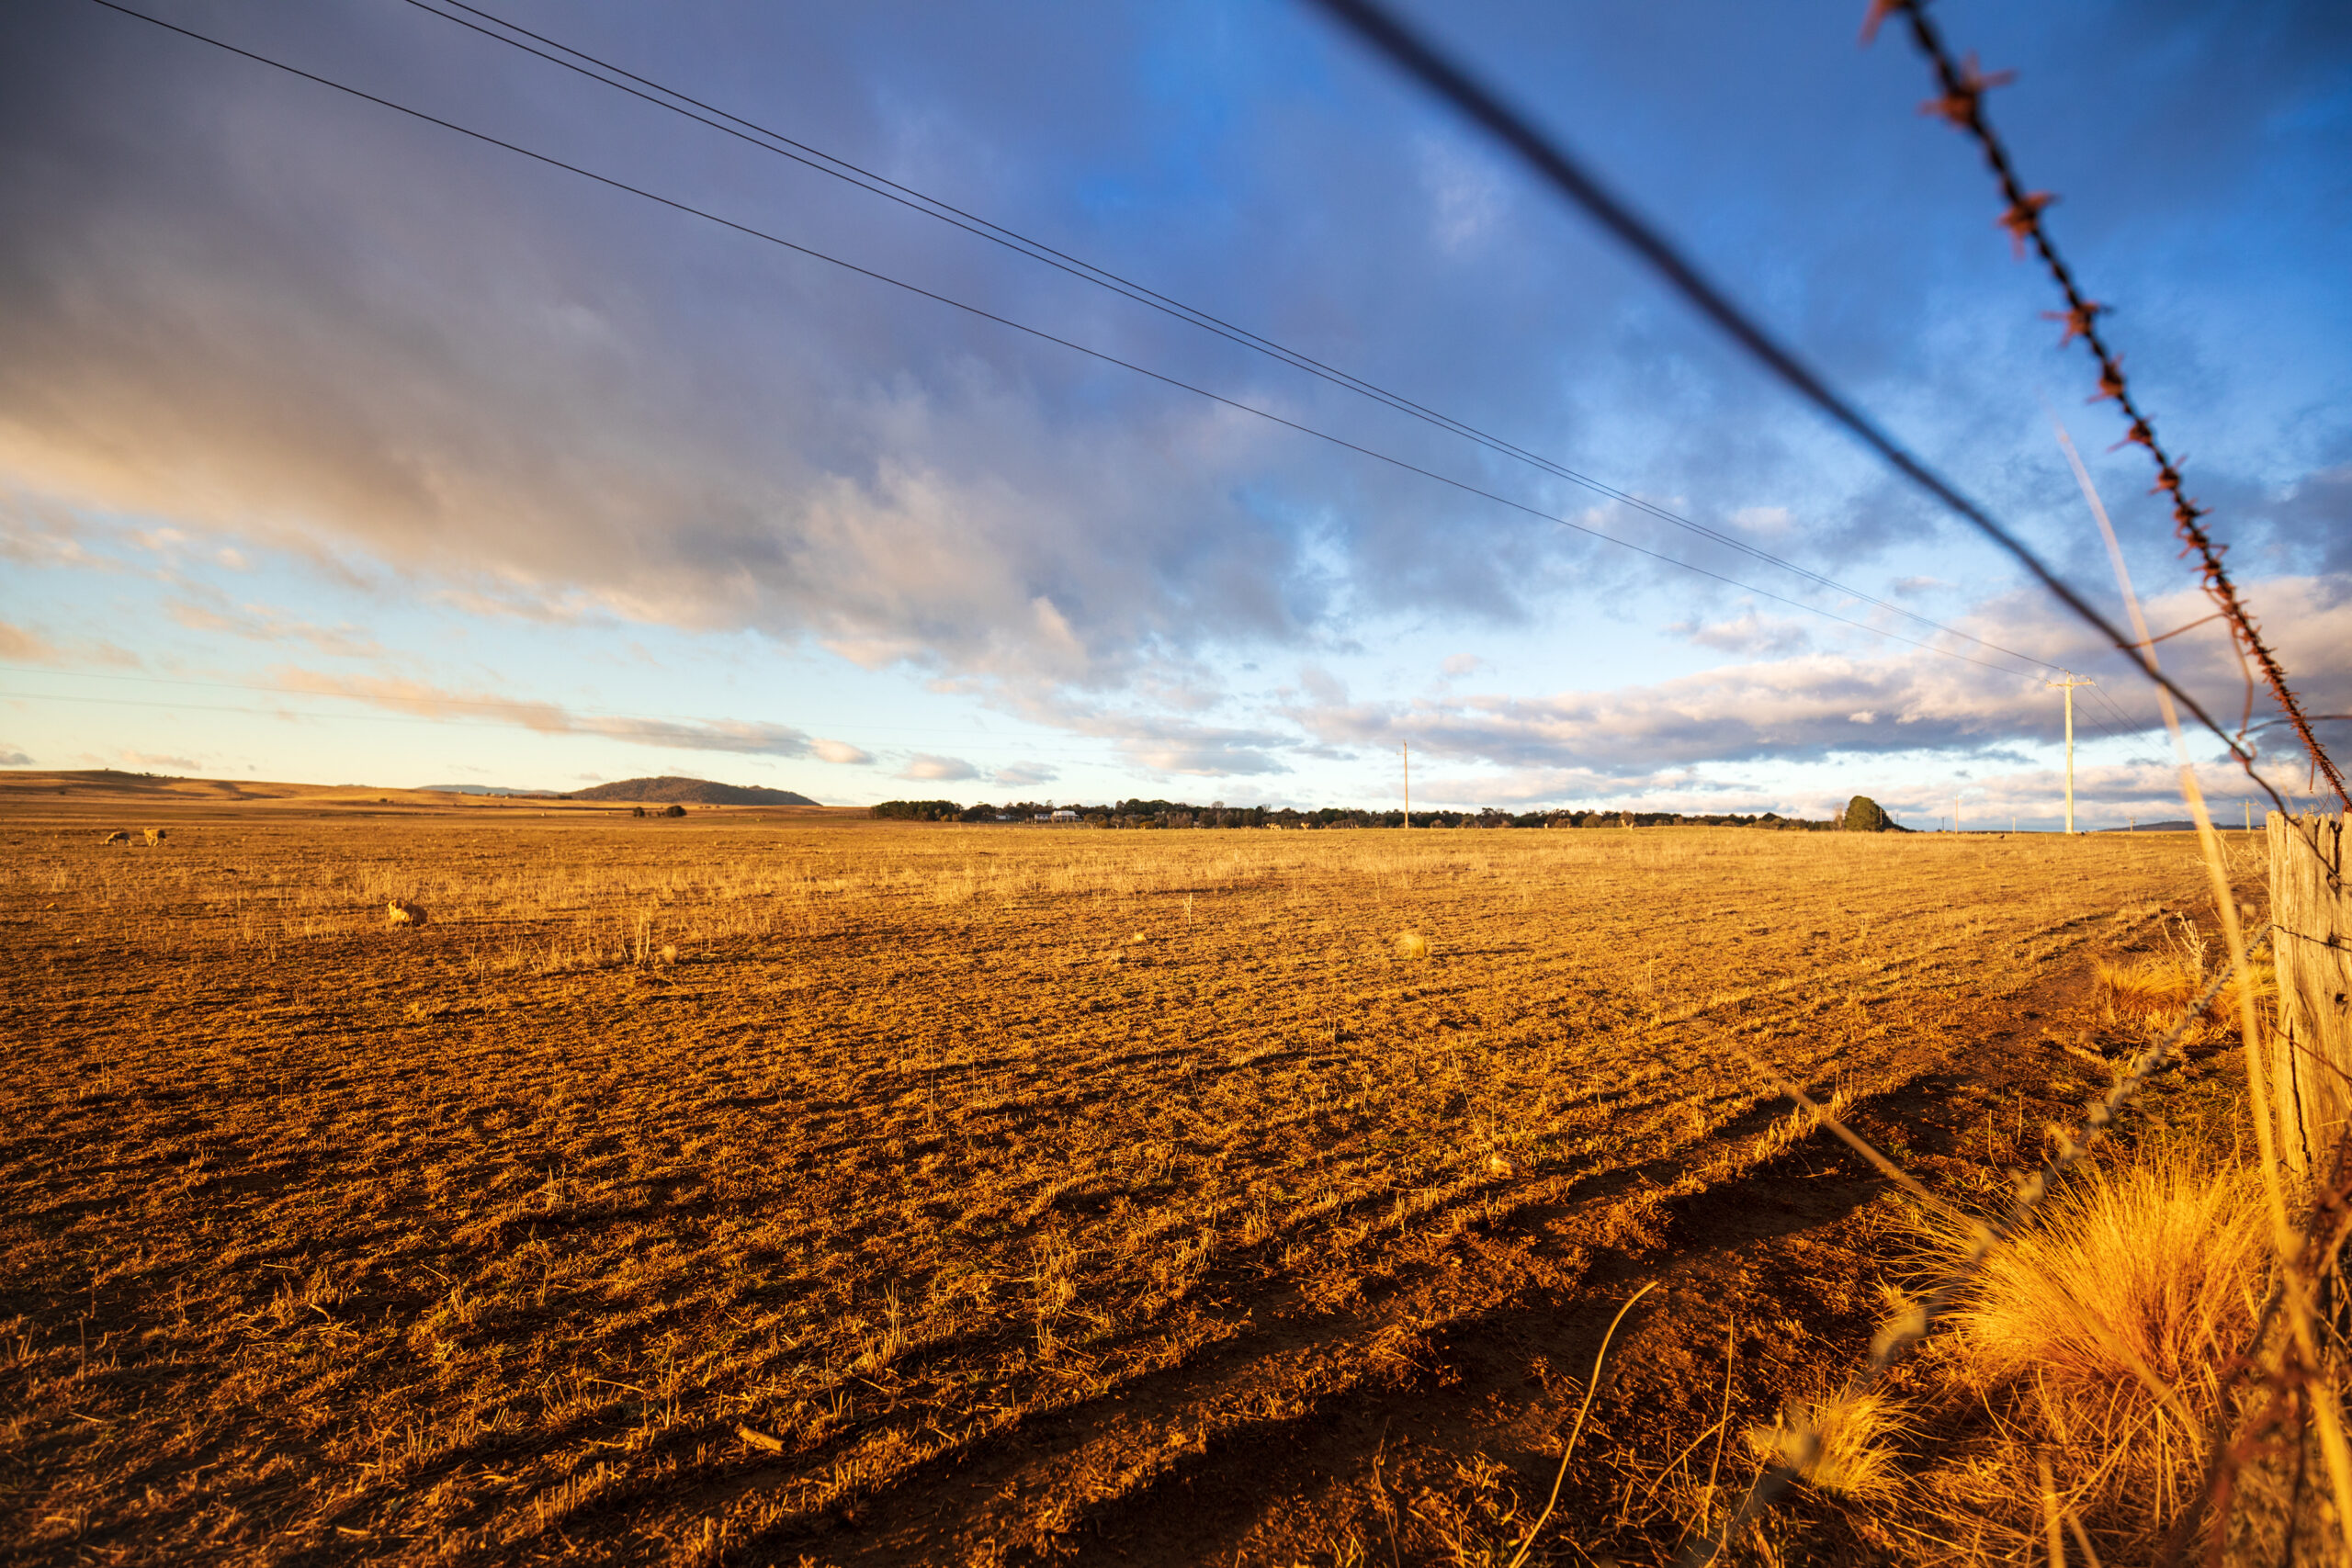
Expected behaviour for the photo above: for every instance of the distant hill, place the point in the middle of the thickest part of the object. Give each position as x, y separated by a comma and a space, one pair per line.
2173, 827
689, 792
487, 789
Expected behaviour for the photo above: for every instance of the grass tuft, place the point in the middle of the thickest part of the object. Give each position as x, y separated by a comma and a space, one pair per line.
1855, 1459
2099, 1333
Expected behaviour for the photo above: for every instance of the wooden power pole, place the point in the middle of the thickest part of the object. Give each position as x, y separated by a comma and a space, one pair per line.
1406, 747
2311, 941
2069, 683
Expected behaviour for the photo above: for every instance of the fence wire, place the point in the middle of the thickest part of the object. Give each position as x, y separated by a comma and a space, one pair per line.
1961, 104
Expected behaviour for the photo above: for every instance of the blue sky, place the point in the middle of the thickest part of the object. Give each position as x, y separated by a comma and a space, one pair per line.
336, 447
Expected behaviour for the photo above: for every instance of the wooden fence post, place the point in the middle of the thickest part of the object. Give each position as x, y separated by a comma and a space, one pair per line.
2310, 1057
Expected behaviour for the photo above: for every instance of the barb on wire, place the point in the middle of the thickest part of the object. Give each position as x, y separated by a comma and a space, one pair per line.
1961, 103
1901, 1334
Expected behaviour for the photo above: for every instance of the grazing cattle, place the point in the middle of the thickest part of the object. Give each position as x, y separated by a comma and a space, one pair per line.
400, 912
117, 836
156, 836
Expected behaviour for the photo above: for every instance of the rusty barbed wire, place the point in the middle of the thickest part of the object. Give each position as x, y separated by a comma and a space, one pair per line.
1902, 1334
1961, 104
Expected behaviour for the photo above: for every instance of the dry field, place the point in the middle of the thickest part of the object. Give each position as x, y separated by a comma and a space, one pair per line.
779, 1187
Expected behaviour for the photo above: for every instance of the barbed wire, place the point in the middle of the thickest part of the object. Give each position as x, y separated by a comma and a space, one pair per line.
1962, 106
1900, 1334
1544, 154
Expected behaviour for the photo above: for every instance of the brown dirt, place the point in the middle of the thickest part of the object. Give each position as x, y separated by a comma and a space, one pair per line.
968, 1194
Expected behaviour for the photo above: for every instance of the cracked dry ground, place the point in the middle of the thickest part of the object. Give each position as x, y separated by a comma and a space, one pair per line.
971, 1194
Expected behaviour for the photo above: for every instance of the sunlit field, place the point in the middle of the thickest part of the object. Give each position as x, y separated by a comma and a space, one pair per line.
785, 1187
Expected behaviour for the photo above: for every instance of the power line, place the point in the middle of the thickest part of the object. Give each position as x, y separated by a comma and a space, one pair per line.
751, 132
1045, 336
1420, 60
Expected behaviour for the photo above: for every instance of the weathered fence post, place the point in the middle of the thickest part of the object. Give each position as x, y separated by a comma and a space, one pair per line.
2310, 913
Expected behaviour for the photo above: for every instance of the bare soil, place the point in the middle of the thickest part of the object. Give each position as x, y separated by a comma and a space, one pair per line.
777, 1186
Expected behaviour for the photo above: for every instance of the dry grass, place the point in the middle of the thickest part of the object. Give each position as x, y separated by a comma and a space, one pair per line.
2097, 1335
1845, 1444
737, 1189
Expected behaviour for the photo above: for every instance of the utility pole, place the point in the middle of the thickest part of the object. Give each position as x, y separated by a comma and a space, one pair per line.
2069, 683
1406, 747
2249, 814
1955, 811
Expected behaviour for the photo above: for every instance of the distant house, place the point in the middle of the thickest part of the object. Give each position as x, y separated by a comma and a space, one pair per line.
1064, 815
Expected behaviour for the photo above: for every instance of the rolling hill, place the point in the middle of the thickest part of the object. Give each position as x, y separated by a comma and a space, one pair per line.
670, 788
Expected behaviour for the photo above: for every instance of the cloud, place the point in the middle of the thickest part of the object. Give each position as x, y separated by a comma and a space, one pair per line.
1818, 704
253, 308
1460, 664
12, 758
1022, 775
736, 736
841, 752
151, 760
941, 769
203, 610
27, 645
22, 645
1750, 633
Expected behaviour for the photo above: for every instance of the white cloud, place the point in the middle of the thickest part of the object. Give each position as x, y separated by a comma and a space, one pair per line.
1022, 775
1749, 632
22, 645
1773, 522
150, 760
27, 645
841, 752
737, 736
937, 770
201, 610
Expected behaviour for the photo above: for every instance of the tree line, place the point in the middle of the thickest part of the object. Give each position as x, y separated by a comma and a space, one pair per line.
1861, 814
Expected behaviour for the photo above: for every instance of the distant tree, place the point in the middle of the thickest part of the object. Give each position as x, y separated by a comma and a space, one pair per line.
917, 810
1863, 816
673, 809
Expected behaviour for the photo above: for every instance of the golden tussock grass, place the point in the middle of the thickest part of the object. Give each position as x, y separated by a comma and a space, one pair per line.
2096, 1337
